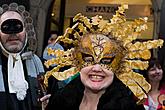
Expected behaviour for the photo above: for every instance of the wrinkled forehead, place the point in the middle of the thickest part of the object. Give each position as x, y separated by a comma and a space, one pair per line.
10, 15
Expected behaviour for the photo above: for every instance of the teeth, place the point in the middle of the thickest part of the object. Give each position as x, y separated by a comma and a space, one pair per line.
96, 77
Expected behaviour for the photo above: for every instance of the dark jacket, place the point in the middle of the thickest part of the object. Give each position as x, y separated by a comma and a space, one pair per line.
9, 101
116, 97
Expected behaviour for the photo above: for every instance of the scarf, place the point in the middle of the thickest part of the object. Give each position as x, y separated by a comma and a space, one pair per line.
16, 79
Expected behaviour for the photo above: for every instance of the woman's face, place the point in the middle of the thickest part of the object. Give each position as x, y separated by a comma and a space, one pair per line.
101, 56
155, 74
96, 78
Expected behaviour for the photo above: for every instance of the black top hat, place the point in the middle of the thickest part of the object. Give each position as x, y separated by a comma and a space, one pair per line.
25, 3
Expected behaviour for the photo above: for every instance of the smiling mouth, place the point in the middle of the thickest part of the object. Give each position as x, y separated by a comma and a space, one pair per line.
96, 78
156, 75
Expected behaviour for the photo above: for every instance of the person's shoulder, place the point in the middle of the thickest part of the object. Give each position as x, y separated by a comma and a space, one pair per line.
74, 83
119, 87
67, 97
120, 92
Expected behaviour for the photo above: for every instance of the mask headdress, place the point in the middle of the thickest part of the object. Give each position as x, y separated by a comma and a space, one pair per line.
108, 42
28, 23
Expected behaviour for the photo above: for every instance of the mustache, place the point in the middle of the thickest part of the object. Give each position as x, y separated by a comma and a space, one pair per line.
13, 37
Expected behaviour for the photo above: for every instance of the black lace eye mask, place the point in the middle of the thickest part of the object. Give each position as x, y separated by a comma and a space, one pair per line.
89, 58
12, 26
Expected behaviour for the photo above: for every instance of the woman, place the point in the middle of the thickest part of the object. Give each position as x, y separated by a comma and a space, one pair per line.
103, 53
155, 77
97, 87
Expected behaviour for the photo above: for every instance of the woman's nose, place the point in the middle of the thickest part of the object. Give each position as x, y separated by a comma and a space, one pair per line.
97, 68
157, 70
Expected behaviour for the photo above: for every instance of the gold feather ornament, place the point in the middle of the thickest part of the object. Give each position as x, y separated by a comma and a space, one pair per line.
110, 43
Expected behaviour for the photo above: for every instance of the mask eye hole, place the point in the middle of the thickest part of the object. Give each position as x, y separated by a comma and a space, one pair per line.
87, 57
5, 26
19, 26
106, 60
